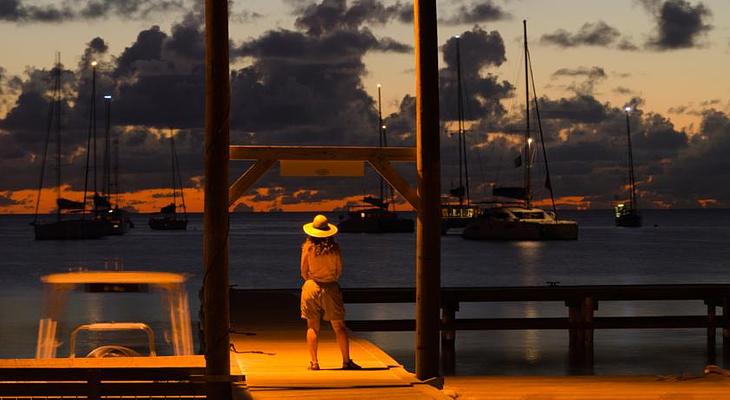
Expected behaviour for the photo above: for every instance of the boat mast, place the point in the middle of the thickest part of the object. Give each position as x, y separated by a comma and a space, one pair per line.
381, 138
463, 166
528, 161
632, 182
172, 159
179, 180
107, 180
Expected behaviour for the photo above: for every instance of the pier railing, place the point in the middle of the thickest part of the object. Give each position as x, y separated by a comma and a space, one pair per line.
581, 303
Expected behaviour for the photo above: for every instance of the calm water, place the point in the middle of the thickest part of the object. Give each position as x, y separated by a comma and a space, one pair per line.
680, 246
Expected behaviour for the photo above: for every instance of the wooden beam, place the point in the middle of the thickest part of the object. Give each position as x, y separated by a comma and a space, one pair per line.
386, 170
215, 304
245, 181
354, 153
428, 162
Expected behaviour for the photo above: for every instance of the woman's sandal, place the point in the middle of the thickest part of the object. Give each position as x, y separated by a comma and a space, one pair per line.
313, 366
350, 365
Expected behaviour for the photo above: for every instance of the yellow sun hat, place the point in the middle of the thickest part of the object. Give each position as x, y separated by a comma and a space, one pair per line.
319, 227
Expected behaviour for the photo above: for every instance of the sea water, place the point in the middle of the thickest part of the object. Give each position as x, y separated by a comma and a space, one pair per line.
673, 246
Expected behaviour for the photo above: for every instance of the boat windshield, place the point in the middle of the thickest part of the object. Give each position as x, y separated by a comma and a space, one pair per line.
529, 214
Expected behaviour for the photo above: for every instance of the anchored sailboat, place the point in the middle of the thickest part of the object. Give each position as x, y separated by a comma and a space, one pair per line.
458, 214
168, 218
375, 215
523, 222
628, 214
71, 221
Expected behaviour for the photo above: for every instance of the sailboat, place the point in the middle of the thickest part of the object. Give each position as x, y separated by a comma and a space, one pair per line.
168, 218
117, 220
458, 214
628, 215
523, 221
375, 215
71, 220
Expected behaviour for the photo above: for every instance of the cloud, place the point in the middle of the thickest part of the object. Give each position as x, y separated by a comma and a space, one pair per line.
598, 34
330, 15
592, 76
475, 13
25, 11
679, 24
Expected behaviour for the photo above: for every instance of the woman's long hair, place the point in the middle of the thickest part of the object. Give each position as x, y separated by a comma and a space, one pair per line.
323, 245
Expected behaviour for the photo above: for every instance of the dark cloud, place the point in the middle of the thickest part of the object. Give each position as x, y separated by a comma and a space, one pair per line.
7, 200
679, 24
25, 11
590, 34
581, 108
330, 15
591, 77
479, 51
485, 11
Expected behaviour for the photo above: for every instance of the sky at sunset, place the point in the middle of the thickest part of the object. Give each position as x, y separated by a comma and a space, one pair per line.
306, 73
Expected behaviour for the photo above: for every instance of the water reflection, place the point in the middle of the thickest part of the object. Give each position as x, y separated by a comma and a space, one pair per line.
528, 261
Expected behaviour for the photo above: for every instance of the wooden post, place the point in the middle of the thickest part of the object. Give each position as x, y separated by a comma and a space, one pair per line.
589, 306
711, 326
428, 165
448, 336
725, 331
575, 337
215, 219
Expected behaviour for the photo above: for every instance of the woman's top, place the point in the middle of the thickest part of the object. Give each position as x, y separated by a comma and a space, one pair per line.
320, 268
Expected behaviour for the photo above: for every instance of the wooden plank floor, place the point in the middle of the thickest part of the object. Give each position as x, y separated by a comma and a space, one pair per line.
271, 351
275, 364
711, 387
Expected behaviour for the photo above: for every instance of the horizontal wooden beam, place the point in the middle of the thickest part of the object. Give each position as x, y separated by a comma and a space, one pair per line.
353, 153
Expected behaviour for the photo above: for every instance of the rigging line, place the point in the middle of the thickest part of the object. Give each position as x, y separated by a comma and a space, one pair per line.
179, 179
58, 132
86, 174
172, 161
542, 139
478, 149
45, 146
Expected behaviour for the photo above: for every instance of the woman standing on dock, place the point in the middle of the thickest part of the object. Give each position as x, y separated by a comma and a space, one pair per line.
321, 266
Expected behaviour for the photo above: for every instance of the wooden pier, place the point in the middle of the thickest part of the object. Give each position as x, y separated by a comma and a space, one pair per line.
581, 304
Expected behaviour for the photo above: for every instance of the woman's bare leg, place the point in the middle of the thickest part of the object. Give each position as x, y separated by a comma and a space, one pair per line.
342, 339
312, 338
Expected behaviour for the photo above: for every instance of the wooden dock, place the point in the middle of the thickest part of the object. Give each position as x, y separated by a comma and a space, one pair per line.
269, 346
711, 387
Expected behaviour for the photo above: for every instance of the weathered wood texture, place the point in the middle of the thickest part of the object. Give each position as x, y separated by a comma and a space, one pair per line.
343, 153
215, 218
582, 388
179, 376
270, 347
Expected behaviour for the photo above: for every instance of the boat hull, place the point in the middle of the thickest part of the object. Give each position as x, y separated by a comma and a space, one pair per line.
168, 224
492, 229
629, 220
72, 229
354, 223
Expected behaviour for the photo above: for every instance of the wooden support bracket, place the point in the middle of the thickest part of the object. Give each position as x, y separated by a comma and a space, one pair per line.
379, 157
245, 181
386, 170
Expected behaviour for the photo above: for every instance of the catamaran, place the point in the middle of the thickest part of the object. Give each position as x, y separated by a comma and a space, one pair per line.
457, 214
523, 221
375, 216
72, 222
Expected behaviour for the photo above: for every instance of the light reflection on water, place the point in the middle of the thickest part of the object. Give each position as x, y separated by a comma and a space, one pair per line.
687, 246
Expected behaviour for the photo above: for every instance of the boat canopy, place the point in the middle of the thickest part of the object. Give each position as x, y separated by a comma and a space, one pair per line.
66, 204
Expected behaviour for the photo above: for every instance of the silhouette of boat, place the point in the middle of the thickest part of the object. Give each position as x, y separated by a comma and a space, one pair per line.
627, 214
523, 221
168, 218
72, 222
375, 215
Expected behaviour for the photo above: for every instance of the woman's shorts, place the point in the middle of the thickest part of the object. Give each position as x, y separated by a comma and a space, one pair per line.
322, 300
